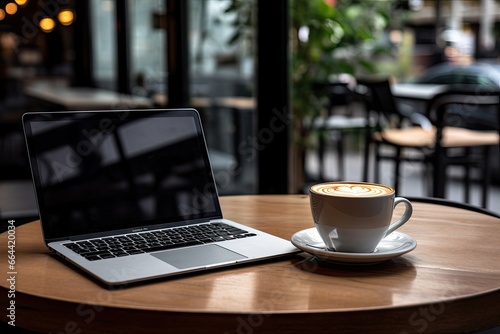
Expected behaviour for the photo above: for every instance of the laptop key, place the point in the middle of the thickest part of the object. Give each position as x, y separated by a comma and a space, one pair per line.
107, 256
95, 253
134, 251
84, 244
120, 254
81, 250
172, 246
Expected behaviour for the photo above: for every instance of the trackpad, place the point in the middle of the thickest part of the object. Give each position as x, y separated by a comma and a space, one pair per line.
198, 256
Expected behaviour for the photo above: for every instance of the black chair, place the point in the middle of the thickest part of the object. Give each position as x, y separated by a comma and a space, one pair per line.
334, 126
434, 141
381, 106
454, 144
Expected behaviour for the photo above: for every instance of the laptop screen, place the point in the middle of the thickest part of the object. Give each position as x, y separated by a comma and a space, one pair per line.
111, 170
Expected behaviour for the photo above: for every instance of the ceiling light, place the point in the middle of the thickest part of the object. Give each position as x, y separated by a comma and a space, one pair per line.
11, 8
66, 17
47, 24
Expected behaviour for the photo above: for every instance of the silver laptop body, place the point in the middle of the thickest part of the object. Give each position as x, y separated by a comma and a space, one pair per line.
112, 186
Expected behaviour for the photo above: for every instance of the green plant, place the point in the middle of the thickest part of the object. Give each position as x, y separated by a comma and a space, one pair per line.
243, 24
330, 37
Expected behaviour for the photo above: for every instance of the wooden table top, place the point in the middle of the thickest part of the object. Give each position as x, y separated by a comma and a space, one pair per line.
86, 98
234, 102
449, 282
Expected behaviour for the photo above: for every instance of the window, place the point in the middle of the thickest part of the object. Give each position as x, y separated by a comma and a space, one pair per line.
222, 73
147, 46
103, 13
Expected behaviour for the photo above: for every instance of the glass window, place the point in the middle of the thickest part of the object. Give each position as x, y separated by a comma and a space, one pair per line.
221, 49
103, 14
222, 38
147, 46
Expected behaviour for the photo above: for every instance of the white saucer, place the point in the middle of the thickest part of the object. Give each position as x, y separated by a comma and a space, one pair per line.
394, 245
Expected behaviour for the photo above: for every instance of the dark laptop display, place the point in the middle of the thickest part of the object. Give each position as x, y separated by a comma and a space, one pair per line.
109, 170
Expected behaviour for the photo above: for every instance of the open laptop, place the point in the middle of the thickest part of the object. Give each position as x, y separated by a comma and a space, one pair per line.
129, 195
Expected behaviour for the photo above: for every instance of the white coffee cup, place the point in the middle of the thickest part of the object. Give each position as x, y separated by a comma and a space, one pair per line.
355, 216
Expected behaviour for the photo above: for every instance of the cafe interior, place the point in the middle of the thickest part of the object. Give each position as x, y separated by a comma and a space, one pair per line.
290, 92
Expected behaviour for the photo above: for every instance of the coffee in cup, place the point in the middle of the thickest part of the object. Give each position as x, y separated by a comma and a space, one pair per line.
355, 216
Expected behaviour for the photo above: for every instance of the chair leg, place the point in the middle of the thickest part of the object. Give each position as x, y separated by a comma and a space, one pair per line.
428, 179
486, 174
340, 150
366, 158
321, 155
467, 178
397, 167
376, 166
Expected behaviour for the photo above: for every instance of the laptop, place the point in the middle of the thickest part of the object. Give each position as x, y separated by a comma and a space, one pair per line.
129, 195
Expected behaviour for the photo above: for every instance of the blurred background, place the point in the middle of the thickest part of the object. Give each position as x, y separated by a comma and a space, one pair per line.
253, 68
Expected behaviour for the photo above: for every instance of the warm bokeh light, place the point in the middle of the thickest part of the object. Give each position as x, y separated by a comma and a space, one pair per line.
47, 24
11, 8
21, 2
2, 14
66, 17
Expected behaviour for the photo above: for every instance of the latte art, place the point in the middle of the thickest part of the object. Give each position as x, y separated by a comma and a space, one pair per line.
351, 189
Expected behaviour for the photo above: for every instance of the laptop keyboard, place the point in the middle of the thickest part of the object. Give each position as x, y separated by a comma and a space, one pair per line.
153, 241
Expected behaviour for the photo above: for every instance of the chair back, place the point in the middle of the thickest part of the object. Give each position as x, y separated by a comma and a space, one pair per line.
338, 94
453, 106
462, 100
378, 98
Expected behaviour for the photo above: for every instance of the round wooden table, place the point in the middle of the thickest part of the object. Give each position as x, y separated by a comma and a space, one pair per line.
450, 282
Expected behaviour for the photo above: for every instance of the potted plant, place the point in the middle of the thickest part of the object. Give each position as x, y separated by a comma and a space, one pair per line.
329, 38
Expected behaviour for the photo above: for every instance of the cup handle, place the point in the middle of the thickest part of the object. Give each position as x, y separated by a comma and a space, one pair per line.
404, 218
